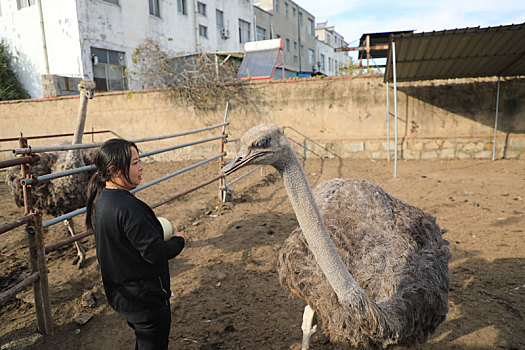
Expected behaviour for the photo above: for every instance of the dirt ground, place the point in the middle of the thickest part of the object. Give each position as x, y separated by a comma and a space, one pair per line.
227, 293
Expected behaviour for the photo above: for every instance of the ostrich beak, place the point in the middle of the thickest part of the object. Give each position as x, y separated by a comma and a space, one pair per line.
240, 161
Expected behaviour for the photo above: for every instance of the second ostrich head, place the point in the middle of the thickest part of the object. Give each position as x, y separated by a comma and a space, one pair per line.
262, 144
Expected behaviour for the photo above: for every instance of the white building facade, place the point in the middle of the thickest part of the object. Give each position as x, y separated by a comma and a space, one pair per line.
95, 39
285, 19
330, 62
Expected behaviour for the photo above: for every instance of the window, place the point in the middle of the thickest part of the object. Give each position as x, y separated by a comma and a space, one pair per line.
181, 7
311, 56
295, 45
261, 33
301, 49
244, 31
286, 10
24, 3
293, 11
112, 1
276, 5
288, 45
203, 31
154, 8
329, 39
109, 70
311, 28
294, 58
201, 8
336, 66
300, 18
219, 18
321, 62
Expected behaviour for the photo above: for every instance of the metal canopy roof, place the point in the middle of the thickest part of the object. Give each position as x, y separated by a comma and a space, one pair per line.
377, 39
458, 53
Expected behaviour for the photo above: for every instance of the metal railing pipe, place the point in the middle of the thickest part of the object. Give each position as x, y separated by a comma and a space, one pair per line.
164, 178
17, 223
183, 193
69, 240
48, 177
56, 148
147, 154
64, 217
83, 210
53, 135
145, 139
232, 140
243, 176
8, 294
18, 161
98, 144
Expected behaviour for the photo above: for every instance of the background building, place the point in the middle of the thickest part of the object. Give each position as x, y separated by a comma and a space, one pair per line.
328, 61
67, 40
296, 26
57, 43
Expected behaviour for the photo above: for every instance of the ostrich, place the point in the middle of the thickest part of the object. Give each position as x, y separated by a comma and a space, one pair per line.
373, 268
64, 194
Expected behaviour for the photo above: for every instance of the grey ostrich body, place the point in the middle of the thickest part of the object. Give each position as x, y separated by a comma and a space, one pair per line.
373, 268
60, 196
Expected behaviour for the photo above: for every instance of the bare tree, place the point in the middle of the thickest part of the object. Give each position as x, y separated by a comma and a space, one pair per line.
202, 80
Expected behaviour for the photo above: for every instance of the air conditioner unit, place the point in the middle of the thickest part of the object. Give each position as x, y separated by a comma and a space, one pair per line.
225, 33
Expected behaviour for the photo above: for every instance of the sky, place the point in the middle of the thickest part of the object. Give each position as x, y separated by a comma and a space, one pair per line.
352, 18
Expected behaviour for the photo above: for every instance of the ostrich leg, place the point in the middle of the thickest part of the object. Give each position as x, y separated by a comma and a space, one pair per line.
308, 330
81, 258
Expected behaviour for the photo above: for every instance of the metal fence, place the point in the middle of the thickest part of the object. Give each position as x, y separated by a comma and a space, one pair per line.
32, 218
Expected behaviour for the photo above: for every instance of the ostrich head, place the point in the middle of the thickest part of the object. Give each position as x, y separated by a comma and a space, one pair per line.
262, 144
87, 87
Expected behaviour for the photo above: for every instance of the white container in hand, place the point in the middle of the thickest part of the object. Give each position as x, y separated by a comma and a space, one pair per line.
167, 228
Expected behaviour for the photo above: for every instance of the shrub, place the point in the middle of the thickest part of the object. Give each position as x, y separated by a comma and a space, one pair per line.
10, 86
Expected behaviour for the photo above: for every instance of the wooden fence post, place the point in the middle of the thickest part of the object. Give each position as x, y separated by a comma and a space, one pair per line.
42, 268
28, 208
223, 191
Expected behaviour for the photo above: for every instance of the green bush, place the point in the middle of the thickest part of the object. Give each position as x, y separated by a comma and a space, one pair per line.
10, 87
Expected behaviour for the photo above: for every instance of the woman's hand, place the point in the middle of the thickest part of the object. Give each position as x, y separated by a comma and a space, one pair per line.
177, 233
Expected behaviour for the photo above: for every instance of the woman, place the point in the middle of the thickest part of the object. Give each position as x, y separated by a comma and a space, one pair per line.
131, 251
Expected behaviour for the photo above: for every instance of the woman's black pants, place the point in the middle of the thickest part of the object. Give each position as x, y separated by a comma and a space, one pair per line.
153, 334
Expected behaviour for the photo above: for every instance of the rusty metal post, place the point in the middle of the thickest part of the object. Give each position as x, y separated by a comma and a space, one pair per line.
37, 292
223, 191
368, 54
42, 268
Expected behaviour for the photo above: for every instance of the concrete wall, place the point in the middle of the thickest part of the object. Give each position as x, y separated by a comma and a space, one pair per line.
334, 116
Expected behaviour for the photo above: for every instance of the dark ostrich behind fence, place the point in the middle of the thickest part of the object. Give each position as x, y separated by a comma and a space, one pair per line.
59, 196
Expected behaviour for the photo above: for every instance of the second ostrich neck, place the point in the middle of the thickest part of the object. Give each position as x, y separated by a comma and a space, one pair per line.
351, 296
81, 118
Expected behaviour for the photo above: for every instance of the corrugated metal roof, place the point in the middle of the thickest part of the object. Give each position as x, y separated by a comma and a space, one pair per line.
458, 53
377, 39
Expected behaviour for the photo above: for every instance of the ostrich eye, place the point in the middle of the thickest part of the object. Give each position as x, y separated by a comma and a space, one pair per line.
262, 143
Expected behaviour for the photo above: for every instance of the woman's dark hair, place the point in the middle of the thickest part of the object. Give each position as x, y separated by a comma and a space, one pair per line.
113, 152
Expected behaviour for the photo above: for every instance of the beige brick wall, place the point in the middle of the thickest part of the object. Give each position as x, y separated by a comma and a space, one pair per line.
335, 117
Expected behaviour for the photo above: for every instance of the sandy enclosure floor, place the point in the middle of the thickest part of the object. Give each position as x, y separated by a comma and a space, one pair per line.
227, 293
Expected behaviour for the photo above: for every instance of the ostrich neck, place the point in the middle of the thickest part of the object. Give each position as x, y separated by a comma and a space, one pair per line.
351, 296
315, 231
81, 118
